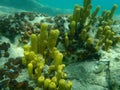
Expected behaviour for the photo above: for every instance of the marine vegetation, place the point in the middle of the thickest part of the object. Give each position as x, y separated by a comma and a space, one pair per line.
44, 60
56, 42
81, 41
89, 33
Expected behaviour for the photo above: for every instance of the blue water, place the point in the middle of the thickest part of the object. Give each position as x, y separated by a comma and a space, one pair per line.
65, 6
69, 4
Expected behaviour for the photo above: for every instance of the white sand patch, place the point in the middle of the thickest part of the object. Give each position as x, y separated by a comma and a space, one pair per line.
14, 50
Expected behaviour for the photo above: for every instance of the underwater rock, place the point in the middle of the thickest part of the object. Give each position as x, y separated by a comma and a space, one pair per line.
4, 49
84, 77
10, 72
26, 23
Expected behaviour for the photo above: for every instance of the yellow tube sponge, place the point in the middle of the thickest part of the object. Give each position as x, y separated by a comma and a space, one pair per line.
26, 48
95, 12
108, 44
46, 84
42, 38
77, 16
73, 27
52, 86
85, 11
86, 3
75, 13
66, 40
29, 56
39, 68
52, 39
60, 74
107, 27
26, 55
44, 32
99, 33
61, 67
58, 59
30, 70
52, 52
113, 10
41, 81
83, 34
68, 85
89, 41
54, 79
108, 34
34, 43
62, 84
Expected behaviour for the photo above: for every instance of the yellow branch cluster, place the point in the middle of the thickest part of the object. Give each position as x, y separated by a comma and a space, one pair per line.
44, 60
84, 34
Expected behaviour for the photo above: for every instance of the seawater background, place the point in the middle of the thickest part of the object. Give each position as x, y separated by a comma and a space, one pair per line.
54, 7
69, 4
